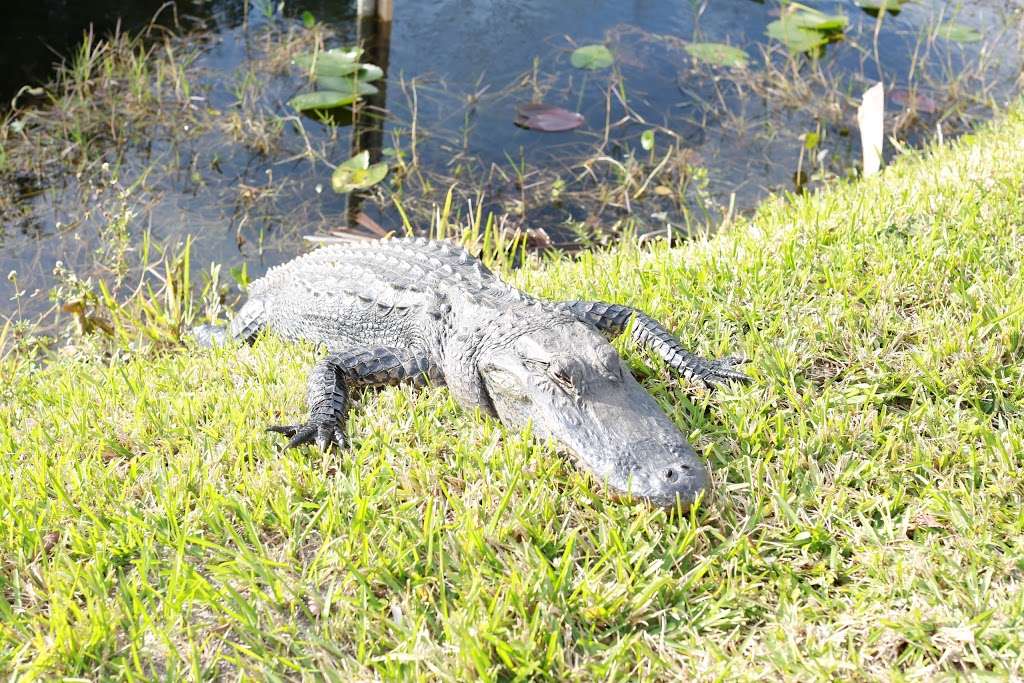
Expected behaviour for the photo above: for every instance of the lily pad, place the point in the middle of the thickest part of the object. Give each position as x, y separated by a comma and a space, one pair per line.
352, 54
873, 7
341, 78
819, 21
327, 64
794, 37
544, 117
806, 29
958, 33
718, 54
345, 84
322, 99
369, 72
592, 57
358, 174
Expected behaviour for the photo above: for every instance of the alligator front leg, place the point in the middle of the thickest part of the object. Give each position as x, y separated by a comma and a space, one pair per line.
330, 379
613, 319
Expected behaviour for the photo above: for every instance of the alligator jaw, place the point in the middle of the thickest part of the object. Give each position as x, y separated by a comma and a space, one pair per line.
586, 400
635, 449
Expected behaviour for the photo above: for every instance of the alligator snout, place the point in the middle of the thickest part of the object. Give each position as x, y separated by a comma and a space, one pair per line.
666, 474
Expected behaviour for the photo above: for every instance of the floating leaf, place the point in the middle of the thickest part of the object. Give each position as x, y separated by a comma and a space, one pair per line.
592, 57
358, 174
914, 100
794, 37
647, 140
322, 99
544, 117
345, 84
369, 72
812, 19
351, 54
341, 78
327, 64
806, 29
308, 20
719, 54
873, 7
958, 33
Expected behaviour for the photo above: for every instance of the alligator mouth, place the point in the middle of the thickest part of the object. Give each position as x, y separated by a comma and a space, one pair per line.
683, 501
628, 498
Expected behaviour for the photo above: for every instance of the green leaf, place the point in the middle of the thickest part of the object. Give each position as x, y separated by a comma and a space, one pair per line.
322, 99
719, 54
818, 21
647, 140
357, 174
345, 84
352, 54
794, 37
805, 29
327, 63
592, 57
369, 72
308, 20
876, 6
958, 33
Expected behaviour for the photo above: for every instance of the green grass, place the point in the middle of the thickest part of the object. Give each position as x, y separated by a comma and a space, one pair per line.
866, 520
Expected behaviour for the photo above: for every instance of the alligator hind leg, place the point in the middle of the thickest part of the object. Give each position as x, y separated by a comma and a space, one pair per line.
613, 319
330, 379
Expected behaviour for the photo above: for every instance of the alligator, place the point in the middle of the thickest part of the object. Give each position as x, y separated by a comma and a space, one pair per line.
426, 311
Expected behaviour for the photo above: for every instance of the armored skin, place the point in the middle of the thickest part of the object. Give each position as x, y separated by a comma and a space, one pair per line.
418, 311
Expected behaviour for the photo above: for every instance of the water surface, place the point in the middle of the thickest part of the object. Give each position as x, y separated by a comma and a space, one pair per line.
455, 71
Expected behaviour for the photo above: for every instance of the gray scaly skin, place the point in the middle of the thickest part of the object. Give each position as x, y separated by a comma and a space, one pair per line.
414, 310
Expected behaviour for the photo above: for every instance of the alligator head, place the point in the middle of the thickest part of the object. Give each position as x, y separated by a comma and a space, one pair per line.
571, 384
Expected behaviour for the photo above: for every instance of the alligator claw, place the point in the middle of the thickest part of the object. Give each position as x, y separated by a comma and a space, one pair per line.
325, 436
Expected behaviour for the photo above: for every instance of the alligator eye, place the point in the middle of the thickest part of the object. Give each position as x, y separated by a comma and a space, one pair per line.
612, 363
562, 377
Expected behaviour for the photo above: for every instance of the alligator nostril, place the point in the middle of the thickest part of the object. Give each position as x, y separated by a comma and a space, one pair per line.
669, 474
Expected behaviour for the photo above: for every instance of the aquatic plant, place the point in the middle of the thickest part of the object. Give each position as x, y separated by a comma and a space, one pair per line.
718, 54
341, 78
358, 173
592, 57
805, 29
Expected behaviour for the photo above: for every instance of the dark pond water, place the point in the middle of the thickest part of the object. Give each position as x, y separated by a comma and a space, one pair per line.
251, 178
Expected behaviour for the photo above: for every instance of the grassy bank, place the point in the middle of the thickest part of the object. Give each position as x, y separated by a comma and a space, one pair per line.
866, 520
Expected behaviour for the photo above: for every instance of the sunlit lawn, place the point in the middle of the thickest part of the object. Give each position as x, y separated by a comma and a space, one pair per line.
866, 519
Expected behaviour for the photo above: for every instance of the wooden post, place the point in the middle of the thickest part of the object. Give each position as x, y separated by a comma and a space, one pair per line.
366, 8
374, 31
383, 10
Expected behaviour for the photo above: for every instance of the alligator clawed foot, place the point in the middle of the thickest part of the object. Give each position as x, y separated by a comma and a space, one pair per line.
724, 370
324, 435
